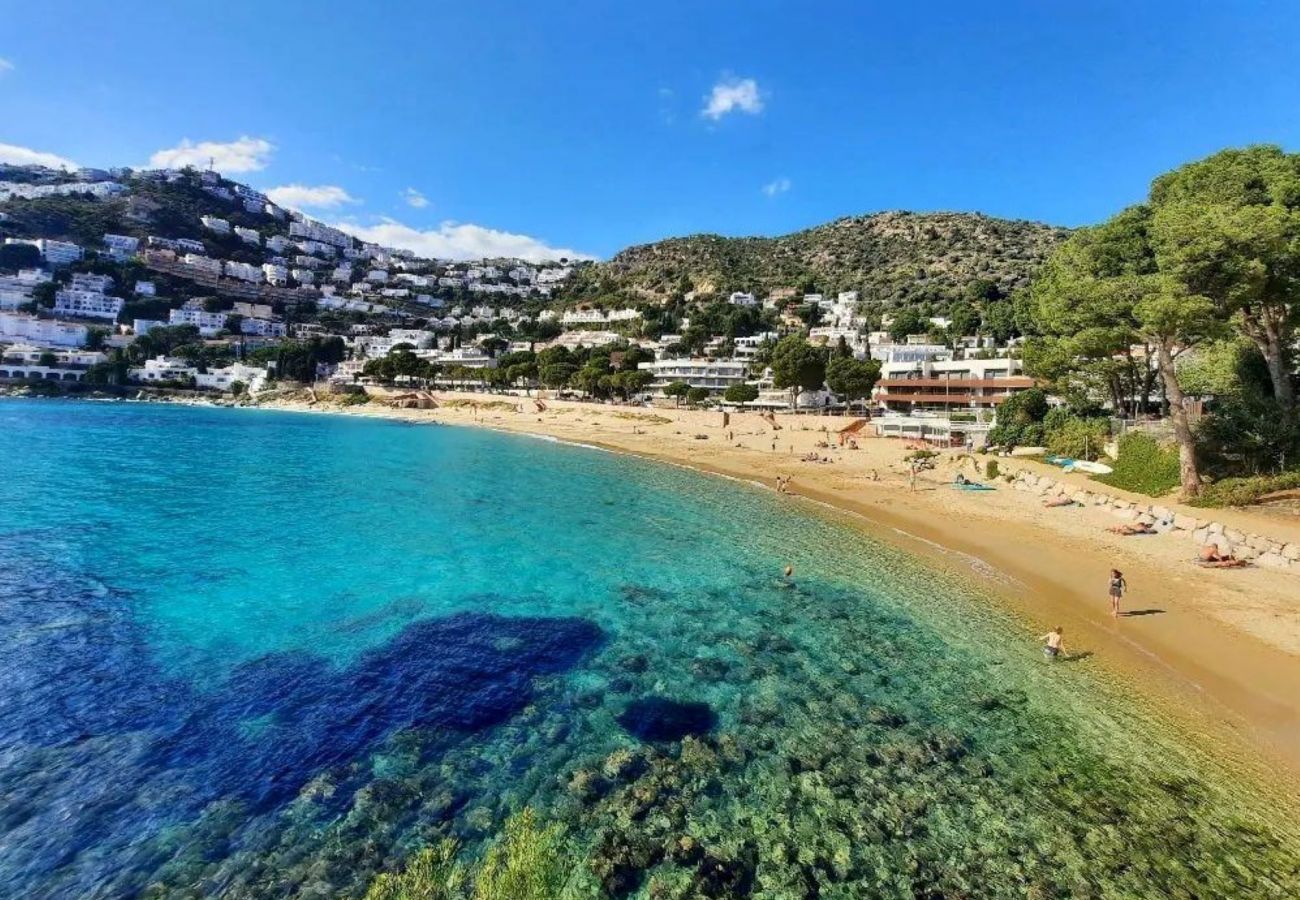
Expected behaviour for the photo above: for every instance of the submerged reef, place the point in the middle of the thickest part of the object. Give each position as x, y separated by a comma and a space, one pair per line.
106, 755
746, 738
661, 719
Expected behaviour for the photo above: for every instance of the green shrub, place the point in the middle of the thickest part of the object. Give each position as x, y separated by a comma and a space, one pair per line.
528, 862
1245, 491
991, 469
1144, 466
1076, 438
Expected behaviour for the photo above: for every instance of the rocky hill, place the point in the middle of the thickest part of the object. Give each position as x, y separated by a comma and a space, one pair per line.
891, 257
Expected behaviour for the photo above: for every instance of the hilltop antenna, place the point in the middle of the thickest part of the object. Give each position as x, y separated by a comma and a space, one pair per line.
212, 163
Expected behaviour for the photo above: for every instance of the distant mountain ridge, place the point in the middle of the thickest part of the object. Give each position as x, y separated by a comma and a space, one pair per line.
891, 257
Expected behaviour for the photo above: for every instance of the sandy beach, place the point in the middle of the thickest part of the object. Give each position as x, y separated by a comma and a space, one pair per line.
1218, 649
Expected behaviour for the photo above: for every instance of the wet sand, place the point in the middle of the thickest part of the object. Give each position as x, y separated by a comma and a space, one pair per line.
1217, 650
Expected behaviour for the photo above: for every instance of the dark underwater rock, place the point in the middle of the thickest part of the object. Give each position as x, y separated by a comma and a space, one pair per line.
621, 858
720, 877
636, 663
135, 740
661, 719
886, 718
710, 668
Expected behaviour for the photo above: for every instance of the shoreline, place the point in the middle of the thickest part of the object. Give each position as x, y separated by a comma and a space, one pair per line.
1217, 650
1234, 686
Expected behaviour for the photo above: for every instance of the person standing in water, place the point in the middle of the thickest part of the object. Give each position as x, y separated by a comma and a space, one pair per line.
1055, 642
1117, 588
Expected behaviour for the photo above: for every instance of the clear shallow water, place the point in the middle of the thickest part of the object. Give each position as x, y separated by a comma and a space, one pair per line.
263, 654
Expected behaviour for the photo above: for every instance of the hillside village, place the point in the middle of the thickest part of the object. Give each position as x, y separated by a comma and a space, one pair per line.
182, 279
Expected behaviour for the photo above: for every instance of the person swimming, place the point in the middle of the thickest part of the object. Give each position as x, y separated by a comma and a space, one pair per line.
1055, 642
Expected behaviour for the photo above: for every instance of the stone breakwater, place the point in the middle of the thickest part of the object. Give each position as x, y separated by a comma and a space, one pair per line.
1258, 549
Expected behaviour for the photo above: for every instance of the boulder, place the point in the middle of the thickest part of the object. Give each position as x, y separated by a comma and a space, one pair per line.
1162, 513
1215, 528
1246, 552
1260, 543
1273, 561
1081, 497
1200, 535
1237, 537
1185, 523
1291, 552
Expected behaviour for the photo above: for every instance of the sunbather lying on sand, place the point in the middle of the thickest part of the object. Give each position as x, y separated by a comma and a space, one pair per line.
1211, 558
1059, 501
1127, 530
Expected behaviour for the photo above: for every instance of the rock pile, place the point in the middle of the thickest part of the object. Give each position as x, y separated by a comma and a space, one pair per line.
1258, 549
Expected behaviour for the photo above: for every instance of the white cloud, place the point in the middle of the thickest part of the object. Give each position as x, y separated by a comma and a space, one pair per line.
415, 198
778, 186
248, 154
458, 240
5, 65
731, 95
302, 196
25, 156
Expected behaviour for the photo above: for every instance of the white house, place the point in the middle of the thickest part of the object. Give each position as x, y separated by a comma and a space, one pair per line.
86, 281
417, 338
55, 253
583, 317
15, 291
190, 245
711, 374
243, 271
145, 289
275, 274
377, 276
81, 304
304, 276
121, 246
262, 328
249, 235
252, 377
212, 223
208, 323
252, 310
17, 327
741, 298
163, 369
203, 263
277, 243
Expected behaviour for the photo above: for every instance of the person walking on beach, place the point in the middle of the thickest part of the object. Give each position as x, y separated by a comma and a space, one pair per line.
1117, 588
1055, 642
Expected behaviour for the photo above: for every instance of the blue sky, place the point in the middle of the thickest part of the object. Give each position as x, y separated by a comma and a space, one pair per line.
588, 126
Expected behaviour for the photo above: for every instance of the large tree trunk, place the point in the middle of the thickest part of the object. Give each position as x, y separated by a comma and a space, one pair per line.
1269, 332
1188, 471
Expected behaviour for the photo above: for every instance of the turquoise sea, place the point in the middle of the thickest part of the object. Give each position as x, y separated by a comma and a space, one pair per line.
261, 654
